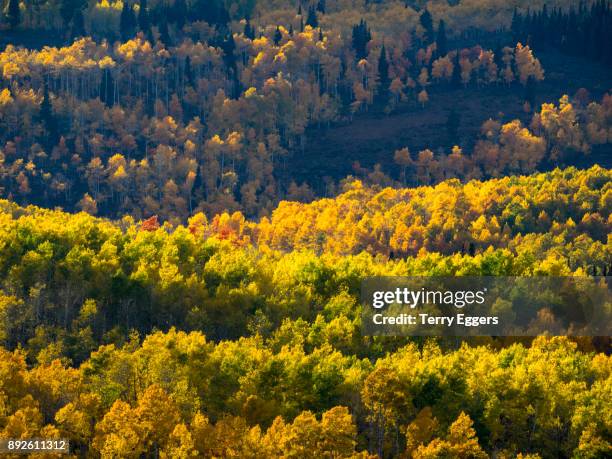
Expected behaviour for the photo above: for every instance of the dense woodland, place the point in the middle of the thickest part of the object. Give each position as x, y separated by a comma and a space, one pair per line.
220, 276
206, 117
271, 327
169, 289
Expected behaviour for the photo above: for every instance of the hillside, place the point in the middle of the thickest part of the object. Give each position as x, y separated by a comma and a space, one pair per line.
230, 275
273, 229
277, 333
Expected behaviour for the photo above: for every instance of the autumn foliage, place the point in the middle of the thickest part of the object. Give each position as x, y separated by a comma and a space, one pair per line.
170, 287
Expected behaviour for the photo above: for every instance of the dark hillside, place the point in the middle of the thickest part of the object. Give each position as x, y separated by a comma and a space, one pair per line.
372, 138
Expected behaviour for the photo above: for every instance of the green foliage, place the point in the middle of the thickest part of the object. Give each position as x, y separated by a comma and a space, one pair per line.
548, 397
275, 335
74, 281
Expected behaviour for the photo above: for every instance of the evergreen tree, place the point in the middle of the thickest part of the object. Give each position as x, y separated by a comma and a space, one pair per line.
383, 75
127, 22
249, 31
361, 38
515, 26
427, 24
236, 85
312, 19
48, 118
13, 14
211, 11
179, 13
67, 8
278, 36
498, 56
579, 31
164, 34
144, 22
188, 71
197, 184
229, 47
441, 42
456, 78
222, 15
77, 25
107, 88
321, 6
543, 23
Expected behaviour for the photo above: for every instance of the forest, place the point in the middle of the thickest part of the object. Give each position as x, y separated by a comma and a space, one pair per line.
192, 192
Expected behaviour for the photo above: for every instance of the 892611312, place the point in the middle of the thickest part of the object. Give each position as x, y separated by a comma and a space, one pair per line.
34, 445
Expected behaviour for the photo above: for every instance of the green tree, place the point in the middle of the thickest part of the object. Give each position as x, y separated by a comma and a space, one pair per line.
277, 36
127, 21
456, 77
383, 75
441, 42
312, 20
67, 10
144, 23
179, 13
427, 24
13, 14
77, 25
48, 118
